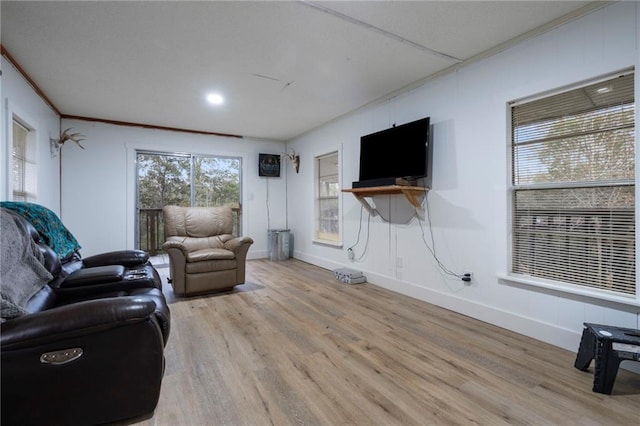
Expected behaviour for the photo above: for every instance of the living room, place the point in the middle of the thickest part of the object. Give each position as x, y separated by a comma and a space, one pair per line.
467, 211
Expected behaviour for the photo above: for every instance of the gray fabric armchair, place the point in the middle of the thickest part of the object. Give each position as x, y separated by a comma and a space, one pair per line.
204, 256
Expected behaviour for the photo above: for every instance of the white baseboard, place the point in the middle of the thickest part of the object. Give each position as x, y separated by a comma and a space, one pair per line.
549, 333
545, 332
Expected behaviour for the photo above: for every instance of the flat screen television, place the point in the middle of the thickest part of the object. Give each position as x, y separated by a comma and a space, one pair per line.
402, 151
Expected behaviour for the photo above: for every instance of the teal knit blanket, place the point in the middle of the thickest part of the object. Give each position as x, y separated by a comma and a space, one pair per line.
49, 225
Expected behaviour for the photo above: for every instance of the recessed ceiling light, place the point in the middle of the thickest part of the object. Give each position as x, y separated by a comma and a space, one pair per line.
603, 90
215, 99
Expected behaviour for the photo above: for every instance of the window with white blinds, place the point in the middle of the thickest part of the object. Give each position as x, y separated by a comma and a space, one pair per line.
24, 164
573, 175
327, 201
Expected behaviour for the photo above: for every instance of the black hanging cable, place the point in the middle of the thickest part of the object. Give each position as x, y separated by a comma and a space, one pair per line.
268, 214
350, 249
432, 248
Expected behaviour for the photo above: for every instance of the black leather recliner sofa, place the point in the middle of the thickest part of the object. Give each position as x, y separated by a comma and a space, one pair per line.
75, 277
88, 346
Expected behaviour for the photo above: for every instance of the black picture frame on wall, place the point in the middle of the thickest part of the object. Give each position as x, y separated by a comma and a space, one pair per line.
269, 165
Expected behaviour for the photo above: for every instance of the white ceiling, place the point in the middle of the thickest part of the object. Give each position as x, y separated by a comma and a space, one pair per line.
283, 67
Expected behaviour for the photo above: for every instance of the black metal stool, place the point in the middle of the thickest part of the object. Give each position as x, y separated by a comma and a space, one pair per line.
609, 346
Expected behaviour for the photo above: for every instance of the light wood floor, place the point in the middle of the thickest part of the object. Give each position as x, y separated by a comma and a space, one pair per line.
294, 346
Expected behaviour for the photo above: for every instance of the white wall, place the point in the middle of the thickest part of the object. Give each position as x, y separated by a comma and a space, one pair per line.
468, 202
98, 183
469, 199
18, 99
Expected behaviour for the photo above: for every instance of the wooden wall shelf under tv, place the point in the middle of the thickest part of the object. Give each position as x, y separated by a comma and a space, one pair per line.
414, 194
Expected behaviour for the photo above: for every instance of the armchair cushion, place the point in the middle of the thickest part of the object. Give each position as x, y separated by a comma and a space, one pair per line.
197, 222
210, 254
188, 244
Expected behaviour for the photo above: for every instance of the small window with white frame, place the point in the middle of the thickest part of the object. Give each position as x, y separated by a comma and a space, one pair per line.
23, 163
573, 188
327, 211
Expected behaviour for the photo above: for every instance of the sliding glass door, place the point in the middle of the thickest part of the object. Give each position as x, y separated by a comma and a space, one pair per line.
184, 180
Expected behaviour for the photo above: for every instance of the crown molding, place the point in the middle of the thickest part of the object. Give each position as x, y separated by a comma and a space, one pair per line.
147, 126
29, 80
5, 53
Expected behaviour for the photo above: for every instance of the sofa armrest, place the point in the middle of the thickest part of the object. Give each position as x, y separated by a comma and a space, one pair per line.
83, 318
178, 245
236, 245
93, 276
161, 312
121, 257
109, 347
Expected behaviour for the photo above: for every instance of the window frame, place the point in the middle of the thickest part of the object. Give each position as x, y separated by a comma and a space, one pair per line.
511, 277
28, 189
317, 237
